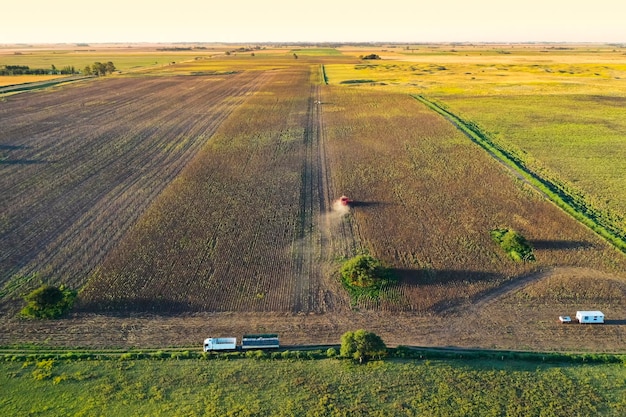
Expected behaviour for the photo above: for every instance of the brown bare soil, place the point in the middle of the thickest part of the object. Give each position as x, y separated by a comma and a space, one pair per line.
504, 322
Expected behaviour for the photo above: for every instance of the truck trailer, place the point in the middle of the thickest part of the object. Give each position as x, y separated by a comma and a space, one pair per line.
220, 343
260, 341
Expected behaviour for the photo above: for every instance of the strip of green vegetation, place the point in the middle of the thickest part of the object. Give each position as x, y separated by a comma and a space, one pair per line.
263, 386
559, 194
356, 82
38, 353
324, 76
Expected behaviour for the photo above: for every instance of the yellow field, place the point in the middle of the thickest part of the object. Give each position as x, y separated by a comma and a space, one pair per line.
21, 79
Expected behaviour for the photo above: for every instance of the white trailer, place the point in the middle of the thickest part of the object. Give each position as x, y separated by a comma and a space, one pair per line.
220, 343
590, 316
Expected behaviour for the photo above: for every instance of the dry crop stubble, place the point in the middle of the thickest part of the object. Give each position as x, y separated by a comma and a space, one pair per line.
232, 233
82, 163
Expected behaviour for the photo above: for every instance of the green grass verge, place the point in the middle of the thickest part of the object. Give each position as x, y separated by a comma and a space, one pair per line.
253, 384
572, 204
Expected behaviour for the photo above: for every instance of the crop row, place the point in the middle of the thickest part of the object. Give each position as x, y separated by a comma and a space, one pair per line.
82, 163
231, 232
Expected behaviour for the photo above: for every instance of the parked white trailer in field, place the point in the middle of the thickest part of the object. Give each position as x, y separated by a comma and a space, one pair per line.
220, 343
590, 316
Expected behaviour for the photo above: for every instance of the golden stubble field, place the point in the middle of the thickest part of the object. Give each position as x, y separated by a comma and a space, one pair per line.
244, 238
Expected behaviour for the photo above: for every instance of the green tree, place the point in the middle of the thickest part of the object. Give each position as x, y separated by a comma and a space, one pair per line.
514, 244
109, 67
362, 345
363, 271
98, 68
48, 302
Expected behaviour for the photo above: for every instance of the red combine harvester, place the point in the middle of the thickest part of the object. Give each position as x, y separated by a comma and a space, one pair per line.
344, 200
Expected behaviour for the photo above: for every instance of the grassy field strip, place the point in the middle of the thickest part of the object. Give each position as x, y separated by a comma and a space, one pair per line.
556, 193
287, 385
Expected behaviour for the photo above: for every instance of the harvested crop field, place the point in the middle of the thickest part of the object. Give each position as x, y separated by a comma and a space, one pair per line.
80, 164
234, 231
188, 206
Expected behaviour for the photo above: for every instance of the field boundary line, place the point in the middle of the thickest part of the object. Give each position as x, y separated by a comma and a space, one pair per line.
552, 190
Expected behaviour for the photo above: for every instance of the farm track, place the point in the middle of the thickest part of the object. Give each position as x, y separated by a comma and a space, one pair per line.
323, 234
307, 276
80, 173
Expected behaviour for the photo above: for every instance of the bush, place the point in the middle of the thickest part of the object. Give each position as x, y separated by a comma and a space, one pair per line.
48, 302
362, 345
514, 244
364, 275
363, 271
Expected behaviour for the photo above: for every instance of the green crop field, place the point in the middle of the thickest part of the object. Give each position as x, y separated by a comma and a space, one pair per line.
323, 387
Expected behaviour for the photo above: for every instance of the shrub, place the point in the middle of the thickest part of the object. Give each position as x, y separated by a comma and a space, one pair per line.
48, 302
514, 244
364, 275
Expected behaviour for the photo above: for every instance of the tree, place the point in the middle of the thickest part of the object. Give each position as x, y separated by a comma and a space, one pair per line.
48, 302
87, 70
514, 244
363, 271
362, 345
109, 67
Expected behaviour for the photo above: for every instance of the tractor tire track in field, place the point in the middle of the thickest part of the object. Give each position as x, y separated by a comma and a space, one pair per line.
308, 252
323, 233
85, 161
337, 237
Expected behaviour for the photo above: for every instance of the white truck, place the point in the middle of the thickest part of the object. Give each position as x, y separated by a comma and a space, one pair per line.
220, 343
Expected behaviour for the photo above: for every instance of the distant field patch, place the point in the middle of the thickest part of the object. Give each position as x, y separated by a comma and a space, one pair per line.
21, 79
317, 52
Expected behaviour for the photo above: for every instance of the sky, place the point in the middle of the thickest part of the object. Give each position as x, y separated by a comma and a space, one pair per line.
248, 21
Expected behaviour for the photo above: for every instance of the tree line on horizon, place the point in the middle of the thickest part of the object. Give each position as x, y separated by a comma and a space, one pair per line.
97, 69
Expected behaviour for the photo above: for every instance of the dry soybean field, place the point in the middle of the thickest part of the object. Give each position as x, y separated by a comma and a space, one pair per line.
204, 203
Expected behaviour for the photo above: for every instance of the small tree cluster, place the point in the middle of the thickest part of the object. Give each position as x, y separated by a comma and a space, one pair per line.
48, 302
362, 345
514, 244
26, 70
370, 56
99, 69
364, 271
